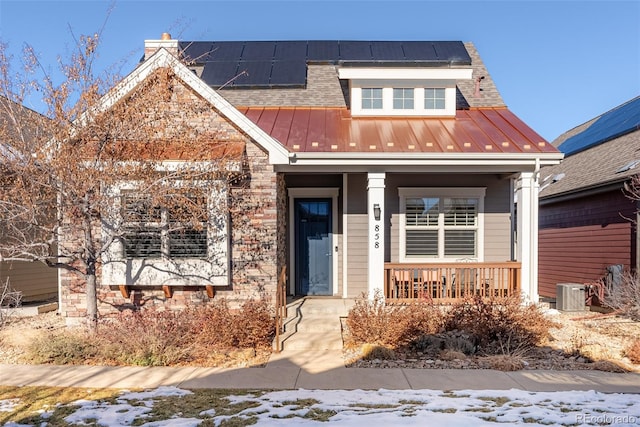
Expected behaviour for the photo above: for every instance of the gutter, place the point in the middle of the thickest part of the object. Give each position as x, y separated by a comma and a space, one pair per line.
424, 159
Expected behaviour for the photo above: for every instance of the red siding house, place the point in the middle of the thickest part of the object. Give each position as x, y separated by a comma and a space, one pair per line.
587, 222
387, 167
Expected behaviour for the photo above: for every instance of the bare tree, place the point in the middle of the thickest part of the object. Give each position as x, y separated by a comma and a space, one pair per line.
104, 167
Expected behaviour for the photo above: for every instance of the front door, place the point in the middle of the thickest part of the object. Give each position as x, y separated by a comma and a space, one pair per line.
313, 252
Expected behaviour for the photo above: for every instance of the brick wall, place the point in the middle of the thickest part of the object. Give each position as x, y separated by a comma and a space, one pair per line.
255, 234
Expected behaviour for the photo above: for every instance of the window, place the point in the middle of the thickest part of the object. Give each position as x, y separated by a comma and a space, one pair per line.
174, 231
441, 226
372, 98
182, 241
403, 98
434, 99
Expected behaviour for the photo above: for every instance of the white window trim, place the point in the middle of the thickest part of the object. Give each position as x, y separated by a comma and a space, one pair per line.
447, 101
321, 193
118, 270
372, 108
418, 109
470, 192
403, 99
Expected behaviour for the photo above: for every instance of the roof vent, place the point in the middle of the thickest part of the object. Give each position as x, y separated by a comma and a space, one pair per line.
557, 177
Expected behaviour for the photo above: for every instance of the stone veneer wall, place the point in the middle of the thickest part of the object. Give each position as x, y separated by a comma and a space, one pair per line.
255, 236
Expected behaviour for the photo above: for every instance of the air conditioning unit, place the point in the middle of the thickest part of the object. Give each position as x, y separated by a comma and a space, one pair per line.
570, 297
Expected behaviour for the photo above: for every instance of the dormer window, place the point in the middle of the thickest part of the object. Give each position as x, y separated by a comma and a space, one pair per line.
434, 99
403, 98
372, 98
414, 91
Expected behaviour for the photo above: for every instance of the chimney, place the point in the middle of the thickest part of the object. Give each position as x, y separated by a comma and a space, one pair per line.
166, 42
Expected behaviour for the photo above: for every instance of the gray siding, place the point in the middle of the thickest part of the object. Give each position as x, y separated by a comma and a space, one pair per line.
34, 280
357, 235
497, 218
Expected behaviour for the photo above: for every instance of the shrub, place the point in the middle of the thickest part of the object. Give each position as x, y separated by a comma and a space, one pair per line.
499, 325
609, 366
374, 322
624, 297
254, 325
219, 328
211, 333
8, 298
455, 341
69, 347
147, 338
373, 351
633, 352
504, 362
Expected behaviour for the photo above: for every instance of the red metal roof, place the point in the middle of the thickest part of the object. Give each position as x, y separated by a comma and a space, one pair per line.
485, 130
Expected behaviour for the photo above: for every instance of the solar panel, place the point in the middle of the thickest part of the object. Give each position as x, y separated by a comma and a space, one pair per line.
322, 51
220, 73
452, 52
256, 51
355, 51
274, 63
290, 51
258, 73
198, 51
420, 51
387, 51
612, 124
227, 51
288, 73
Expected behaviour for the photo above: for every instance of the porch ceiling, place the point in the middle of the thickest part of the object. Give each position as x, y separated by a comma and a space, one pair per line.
334, 130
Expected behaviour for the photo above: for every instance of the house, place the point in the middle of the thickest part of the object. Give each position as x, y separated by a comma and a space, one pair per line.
370, 166
34, 281
587, 222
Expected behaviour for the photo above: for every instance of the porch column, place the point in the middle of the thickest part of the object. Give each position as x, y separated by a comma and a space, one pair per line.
375, 210
527, 233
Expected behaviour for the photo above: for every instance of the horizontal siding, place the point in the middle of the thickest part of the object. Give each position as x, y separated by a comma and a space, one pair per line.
497, 217
497, 237
357, 255
34, 280
357, 236
581, 254
599, 209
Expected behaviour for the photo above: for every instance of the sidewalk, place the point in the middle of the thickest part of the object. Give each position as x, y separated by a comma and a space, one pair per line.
315, 371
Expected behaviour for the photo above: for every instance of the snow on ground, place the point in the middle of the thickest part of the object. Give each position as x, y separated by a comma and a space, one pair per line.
468, 408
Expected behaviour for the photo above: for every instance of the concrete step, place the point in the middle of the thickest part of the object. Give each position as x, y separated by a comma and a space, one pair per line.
312, 341
314, 324
324, 306
317, 323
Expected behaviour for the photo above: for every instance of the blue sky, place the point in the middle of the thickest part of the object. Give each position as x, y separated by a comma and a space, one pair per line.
557, 63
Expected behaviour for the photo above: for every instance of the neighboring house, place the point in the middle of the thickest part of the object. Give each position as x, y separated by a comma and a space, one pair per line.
33, 280
587, 222
369, 166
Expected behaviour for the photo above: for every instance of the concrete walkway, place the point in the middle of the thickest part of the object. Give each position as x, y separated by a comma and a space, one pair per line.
312, 359
324, 376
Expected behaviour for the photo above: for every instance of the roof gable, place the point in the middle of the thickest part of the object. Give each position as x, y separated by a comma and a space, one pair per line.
278, 154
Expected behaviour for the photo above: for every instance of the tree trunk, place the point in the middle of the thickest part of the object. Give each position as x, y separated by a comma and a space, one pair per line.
92, 298
90, 261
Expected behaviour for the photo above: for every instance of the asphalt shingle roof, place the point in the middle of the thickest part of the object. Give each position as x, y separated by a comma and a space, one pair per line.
593, 167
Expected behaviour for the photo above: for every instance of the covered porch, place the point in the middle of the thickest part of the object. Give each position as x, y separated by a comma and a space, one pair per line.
450, 282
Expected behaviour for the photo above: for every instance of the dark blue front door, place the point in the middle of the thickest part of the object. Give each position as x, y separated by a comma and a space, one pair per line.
313, 246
